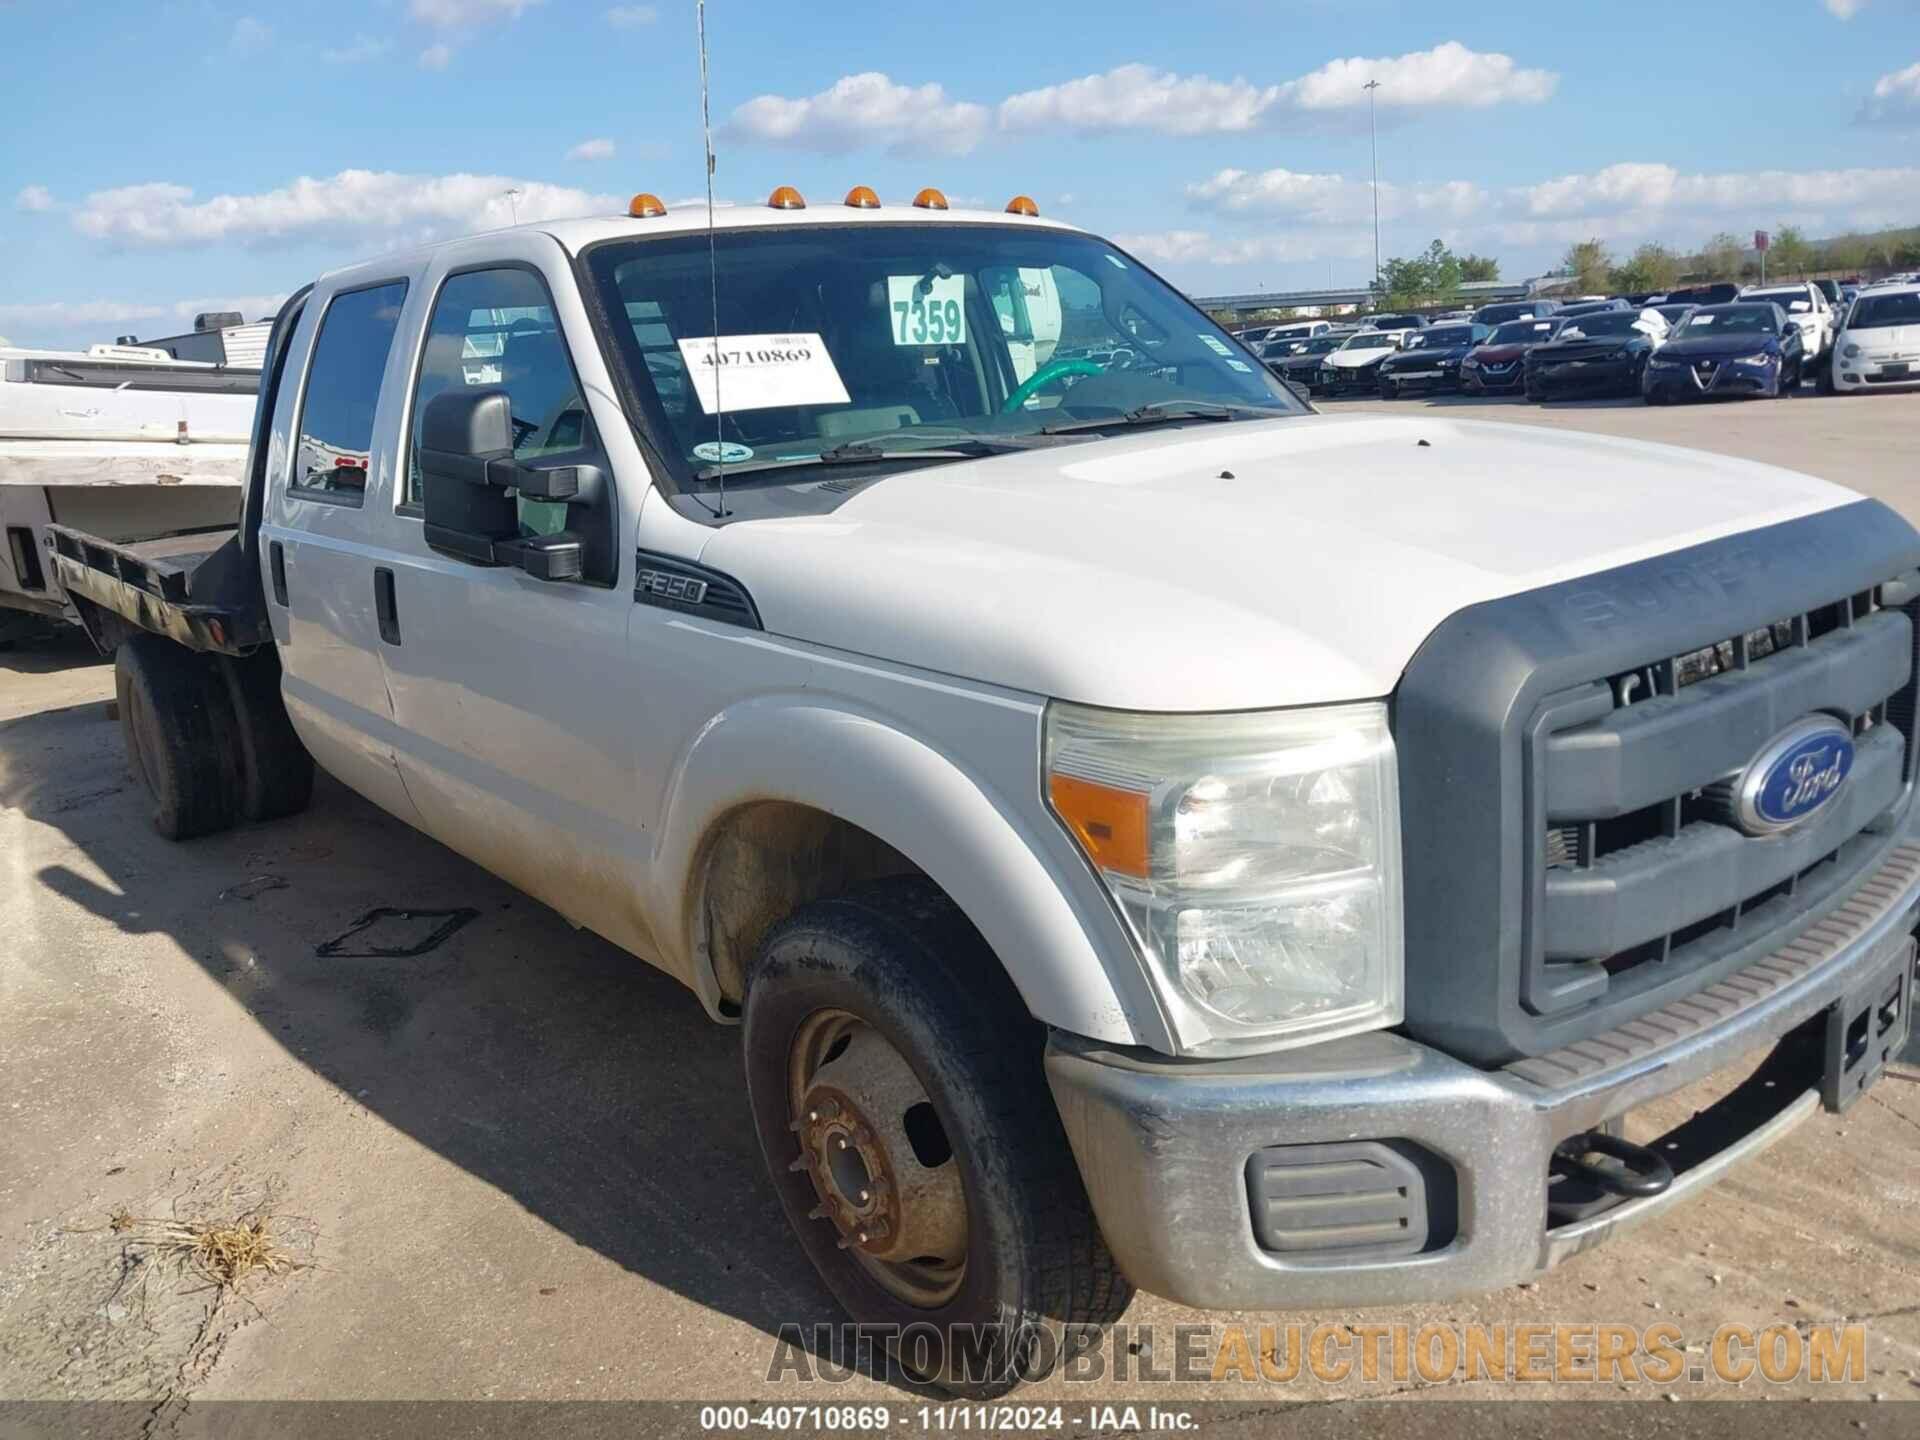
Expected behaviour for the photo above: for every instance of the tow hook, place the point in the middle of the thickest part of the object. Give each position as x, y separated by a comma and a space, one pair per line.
1641, 1172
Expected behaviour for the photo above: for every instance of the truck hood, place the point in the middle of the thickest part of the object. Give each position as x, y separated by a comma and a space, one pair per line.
1232, 566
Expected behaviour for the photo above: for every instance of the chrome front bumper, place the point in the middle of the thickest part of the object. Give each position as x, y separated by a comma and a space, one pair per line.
1164, 1145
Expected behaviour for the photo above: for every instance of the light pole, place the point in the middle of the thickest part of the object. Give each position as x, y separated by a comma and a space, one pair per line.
1373, 140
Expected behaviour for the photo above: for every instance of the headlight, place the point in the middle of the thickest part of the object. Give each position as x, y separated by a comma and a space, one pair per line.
1759, 357
1255, 858
1850, 351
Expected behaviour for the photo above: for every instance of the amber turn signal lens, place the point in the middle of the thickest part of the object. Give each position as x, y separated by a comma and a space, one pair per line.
786, 198
929, 199
1023, 205
645, 207
862, 198
1110, 824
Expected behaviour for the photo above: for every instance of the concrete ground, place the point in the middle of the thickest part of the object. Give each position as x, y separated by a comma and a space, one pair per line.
519, 1166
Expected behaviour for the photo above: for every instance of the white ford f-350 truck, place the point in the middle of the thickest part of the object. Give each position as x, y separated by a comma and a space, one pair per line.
1150, 834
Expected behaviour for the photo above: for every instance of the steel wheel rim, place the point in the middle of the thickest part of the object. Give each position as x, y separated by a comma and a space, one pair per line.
904, 1221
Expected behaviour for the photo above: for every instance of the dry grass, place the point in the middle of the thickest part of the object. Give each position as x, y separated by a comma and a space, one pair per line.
224, 1254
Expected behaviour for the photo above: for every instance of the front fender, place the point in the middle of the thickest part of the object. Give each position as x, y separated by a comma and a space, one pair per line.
1010, 869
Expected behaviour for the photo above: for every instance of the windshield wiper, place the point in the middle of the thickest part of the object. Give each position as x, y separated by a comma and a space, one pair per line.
958, 445
1167, 412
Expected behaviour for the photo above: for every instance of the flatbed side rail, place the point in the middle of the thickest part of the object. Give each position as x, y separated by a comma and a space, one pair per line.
156, 593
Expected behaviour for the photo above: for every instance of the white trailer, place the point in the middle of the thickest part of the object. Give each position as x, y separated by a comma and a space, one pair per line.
124, 440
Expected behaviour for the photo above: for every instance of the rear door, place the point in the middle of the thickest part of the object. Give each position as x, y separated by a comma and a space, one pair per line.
319, 533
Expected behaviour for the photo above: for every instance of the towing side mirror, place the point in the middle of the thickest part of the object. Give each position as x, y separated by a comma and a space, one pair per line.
471, 485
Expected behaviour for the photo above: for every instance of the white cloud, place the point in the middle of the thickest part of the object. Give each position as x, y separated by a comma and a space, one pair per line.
436, 57
457, 14
1331, 199
363, 49
1188, 248
1447, 75
592, 150
1846, 196
861, 110
33, 198
632, 17
58, 315
354, 203
250, 36
1895, 99
1138, 97
1844, 9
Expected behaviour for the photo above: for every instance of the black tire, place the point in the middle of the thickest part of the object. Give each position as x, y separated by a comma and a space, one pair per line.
1389, 389
177, 722
1823, 380
899, 956
275, 770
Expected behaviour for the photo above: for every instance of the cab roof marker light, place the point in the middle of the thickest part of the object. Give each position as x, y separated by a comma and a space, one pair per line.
1023, 205
645, 206
929, 199
861, 197
785, 197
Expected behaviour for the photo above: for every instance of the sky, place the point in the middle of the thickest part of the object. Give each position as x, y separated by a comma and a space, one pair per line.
165, 157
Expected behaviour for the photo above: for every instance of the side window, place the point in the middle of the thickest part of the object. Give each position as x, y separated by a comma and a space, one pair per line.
496, 329
342, 390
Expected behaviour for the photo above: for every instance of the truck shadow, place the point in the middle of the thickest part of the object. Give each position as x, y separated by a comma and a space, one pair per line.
541, 1060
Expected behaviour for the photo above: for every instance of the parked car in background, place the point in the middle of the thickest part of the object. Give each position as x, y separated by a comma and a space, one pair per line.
1297, 331
1830, 289
1720, 292
1673, 314
1588, 307
1396, 322
1727, 351
1806, 306
1506, 310
1880, 347
1252, 335
1355, 365
1603, 352
1302, 371
1496, 367
1431, 359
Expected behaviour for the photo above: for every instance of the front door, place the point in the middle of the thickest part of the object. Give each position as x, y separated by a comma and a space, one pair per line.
512, 693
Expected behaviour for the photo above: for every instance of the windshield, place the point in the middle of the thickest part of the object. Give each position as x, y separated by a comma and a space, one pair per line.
1443, 336
1672, 314
1729, 319
1876, 312
1601, 322
1323, 344
896, 337
1785, 299
1521, 332
1369, 340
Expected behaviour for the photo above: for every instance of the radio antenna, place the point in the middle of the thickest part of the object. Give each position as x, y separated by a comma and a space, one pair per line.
713, 271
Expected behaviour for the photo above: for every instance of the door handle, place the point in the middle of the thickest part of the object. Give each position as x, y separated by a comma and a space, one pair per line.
383, 607
277, 562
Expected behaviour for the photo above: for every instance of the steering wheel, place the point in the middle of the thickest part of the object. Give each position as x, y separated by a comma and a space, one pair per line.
1048, 373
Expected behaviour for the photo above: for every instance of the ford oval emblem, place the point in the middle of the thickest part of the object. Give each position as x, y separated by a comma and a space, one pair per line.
1798, 772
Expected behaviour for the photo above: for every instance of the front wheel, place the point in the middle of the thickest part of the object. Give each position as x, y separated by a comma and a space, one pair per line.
1389, 389
898, 1095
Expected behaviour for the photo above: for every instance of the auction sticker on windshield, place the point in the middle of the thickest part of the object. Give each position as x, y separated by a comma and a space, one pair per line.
758, 372
927, 310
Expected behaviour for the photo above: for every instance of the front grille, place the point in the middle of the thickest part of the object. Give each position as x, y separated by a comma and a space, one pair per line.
1637, 874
